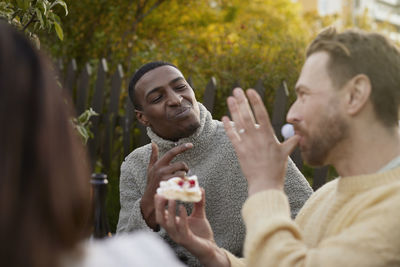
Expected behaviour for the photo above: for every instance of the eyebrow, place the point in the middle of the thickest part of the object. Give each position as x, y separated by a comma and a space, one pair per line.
160, 87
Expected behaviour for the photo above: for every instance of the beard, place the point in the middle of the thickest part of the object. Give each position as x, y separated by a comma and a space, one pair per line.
331, 131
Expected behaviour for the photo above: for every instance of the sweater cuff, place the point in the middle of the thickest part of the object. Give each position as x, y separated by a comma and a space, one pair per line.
233, 260
263, 206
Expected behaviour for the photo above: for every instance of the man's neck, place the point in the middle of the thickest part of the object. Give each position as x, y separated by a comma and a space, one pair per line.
366, 152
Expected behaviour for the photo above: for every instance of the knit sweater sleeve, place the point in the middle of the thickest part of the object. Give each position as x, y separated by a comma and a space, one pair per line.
296, 188
273, 239
130, 216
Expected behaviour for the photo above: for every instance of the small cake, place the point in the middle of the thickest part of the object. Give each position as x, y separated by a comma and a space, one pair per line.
185, 189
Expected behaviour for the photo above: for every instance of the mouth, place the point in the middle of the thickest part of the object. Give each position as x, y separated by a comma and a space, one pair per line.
181, 112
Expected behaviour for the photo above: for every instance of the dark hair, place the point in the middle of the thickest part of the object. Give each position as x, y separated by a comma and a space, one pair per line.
355, 52
138, 74
44, 172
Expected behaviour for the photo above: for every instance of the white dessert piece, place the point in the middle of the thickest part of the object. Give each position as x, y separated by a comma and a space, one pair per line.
287, 131
184, 189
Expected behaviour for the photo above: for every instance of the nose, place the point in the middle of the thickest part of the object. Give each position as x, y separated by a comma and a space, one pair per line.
174, 99
292, 116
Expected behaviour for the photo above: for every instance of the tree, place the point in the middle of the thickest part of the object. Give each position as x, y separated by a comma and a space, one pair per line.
236, 40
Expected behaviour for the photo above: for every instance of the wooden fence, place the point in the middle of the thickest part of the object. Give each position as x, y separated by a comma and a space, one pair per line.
102, 92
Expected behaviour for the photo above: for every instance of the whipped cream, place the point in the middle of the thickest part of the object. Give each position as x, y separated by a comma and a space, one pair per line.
185, 189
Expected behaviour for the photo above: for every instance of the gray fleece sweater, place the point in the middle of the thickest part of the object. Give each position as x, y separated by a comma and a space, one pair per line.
214, 161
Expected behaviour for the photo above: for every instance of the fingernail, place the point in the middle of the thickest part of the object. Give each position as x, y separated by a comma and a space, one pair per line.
237, 92
189, 145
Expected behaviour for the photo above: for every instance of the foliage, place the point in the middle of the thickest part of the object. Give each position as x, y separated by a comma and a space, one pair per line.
33, 16
82, 124
231, 40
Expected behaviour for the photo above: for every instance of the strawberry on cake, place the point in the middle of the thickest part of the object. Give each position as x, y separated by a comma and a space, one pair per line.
185, 189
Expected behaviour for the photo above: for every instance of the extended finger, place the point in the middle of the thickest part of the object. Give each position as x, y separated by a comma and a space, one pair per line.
171, 220
244, 109
199, 207
230, 131
181, 174
182, 221
174, 170
173, 152
260, 111
159, 204
290, 144
235, 112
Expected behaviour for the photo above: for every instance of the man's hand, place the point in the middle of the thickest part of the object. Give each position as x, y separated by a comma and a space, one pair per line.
262, 158
193, 232
160, 170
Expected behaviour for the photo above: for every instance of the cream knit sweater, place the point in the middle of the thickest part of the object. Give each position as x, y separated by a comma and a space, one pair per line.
351, 221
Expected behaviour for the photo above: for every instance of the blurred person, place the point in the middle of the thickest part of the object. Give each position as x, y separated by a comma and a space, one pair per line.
185, 137
45, 198
345, 115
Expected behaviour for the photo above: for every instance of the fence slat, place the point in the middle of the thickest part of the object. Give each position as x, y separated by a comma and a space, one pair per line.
110, 118
83, 88
296, 157
70, 78
144, 138
234, 85
97, 105
127, 126
279, 111
209, 94
319, 178
260, 89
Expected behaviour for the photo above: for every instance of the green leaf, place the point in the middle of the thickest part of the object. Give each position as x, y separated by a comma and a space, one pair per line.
23, 4
83, 132
44, 8
59, 31
61, 3
56, 18
27, 4
39, 15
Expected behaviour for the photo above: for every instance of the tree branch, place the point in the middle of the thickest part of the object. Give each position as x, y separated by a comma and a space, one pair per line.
29, 22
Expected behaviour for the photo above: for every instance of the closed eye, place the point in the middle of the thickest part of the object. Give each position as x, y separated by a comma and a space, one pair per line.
156, 99
180, 87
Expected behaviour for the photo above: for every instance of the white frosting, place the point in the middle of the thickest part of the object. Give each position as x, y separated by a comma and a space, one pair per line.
186, 192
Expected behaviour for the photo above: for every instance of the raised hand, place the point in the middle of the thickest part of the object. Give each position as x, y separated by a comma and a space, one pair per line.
192, 232
161, 169
262, 158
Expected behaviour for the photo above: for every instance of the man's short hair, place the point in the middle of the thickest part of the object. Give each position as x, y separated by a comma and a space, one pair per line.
138, 74
354, 52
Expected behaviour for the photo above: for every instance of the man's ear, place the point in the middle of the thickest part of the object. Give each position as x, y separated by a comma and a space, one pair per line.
141, 118
358, 93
